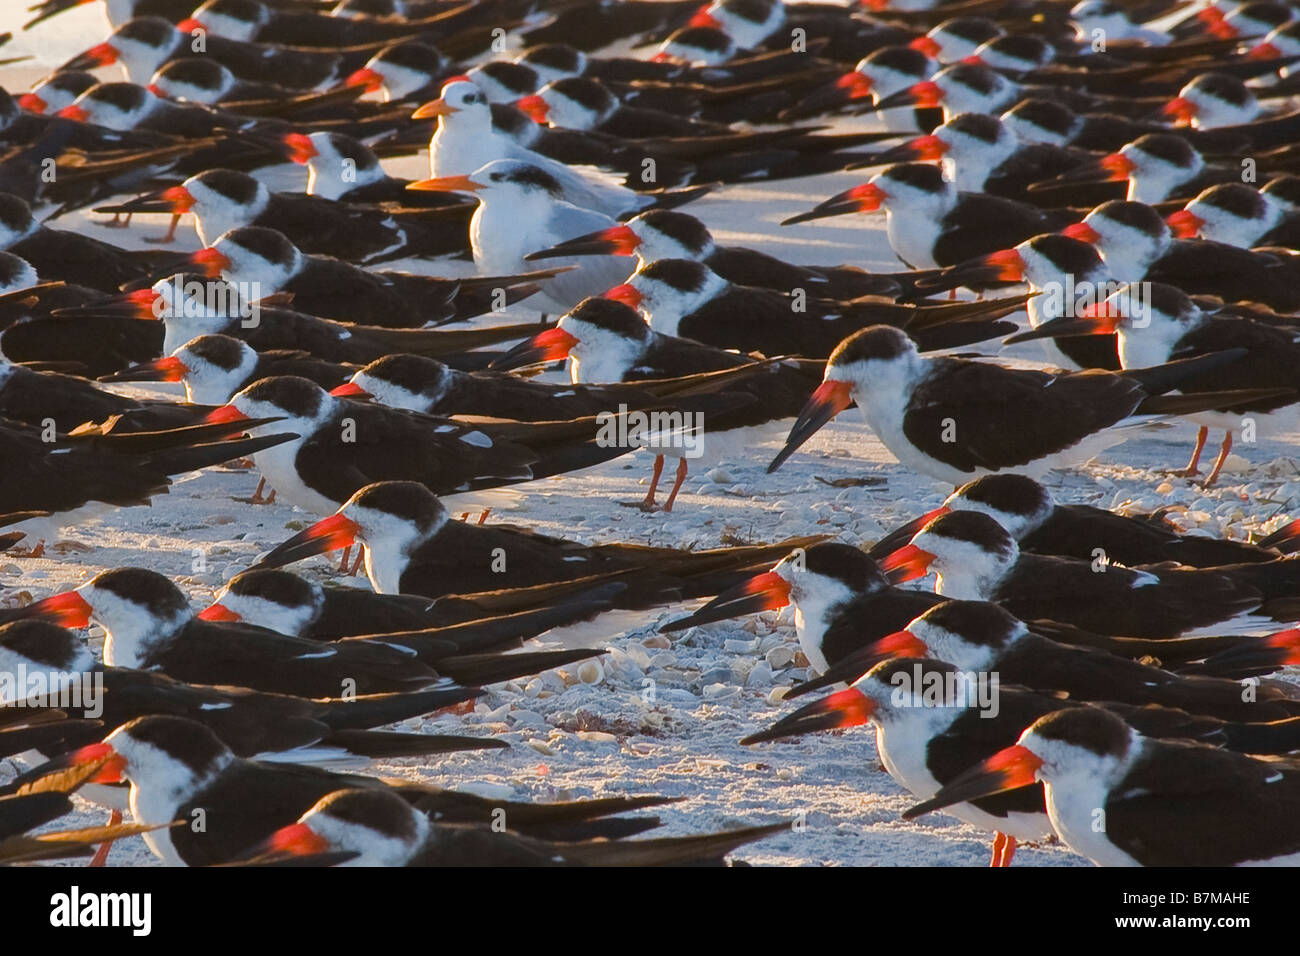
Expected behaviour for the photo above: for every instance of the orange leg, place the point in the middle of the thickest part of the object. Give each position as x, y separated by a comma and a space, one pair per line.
257, 498
343, 564
356, 565
482, 519
1223, 456
677, 486
999, 842
1008, 851
101, 855
648, 502
1193, 469
171, 232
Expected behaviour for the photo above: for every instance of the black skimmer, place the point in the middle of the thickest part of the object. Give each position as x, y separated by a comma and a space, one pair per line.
345, 445
404, 72
225, 199
144, 43
1040, 525
249, 722
841, 599
426, 385
930, 223
263, 261
175, 765
56, 91
149, 625
295, 25
470, 623
382, 829
189, 305
975, 559
930, 724
1155, 794
1063, 273
342, 167
979, 637
214, 367
1238, 215
1168, 325
412, 546
67, 401
608, 342
522, 209
1138, 245
685, 298
1156, 166
670, 234
881, 74
980, 153
60, 255
951, 418
75, 476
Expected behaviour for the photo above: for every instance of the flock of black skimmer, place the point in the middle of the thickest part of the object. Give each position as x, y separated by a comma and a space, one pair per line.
1114, 179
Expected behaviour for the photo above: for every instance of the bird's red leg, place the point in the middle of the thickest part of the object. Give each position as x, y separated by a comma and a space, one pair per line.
1008, 851
482, 519
101, 855
356, 565
257, 498
1193, 469
999, 841
171, 232
677, 485
343, 564
1223, 456
648, 502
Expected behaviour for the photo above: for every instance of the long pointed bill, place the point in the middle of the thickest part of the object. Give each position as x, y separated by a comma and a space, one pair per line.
1184, 224
102, 54
349, 390
211, 261
846, 708
829, 400
1008, 769
438, 107
864, 198
110, 762
366, 77
226, 414
907, 564
1006, 265
764, 592
615, 241
535, 108
170, 369
1285, 538
445, 184
625, 293
68, 609
218, 612
849, 669
924, 95
902, 535
1083, 232
299, 147
926, 149
549, 346
328, 534
1261, 656
1180, 109
296, 841
1113, 167
1068, 326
